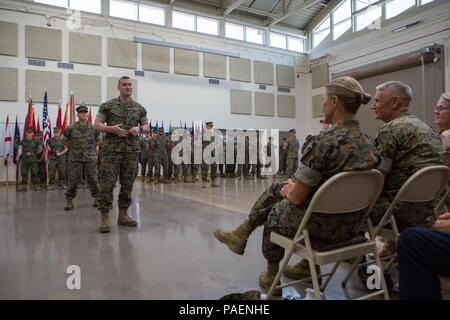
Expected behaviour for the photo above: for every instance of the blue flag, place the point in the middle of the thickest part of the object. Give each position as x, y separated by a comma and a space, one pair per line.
162, 126
156, 128
16, 141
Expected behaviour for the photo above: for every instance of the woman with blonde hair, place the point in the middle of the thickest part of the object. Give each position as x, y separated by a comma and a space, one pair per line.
442, 112
344, 147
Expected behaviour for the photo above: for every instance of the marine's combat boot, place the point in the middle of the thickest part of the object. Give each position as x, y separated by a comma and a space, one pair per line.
156, 181
236, 240
124, 219
214, 184
300, 271
69, 204
104, 222
165, 180
51, 187
36, 187
95, 204
267, 277
186, 180
204, 183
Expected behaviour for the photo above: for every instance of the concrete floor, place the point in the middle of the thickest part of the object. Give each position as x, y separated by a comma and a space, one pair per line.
172, 254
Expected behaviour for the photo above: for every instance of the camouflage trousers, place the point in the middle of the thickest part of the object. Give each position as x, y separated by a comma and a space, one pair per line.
57, 162
406, 213
74, 177
124, 166
205, 169
282, 164
282, 216
177, 168
194, 170
291, 166
144, 162
161, 160
149, 165
29, 163
42, 175
243, 169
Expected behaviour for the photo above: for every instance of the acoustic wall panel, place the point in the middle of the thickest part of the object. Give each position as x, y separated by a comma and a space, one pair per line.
37, 81
317, 110
319, 75
86, 89
155, 58
285, 76
85, 48
8, 38
112, 91
43, 43
241, 101
186, 62
240, 69
122, 53
214, 66
263, 72
264, 104
8, 84
286, 106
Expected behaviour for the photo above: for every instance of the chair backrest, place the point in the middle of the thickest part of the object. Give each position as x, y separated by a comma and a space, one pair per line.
345, 192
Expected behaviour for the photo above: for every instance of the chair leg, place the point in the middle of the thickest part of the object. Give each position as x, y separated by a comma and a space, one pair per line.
315, 281
336, 265
380, 267
354, 266
280, 272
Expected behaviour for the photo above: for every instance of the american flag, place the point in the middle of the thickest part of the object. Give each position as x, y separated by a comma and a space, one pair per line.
46, 126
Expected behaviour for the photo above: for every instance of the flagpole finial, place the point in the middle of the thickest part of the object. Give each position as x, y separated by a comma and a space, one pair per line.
71, 93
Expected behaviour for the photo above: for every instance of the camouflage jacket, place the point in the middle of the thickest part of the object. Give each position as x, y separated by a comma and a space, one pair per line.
345, 147
130, 114
161, 144
406, 144
82, 141
292, 147
55, 147
29, 147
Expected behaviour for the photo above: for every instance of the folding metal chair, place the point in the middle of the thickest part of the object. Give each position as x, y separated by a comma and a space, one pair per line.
425, 185
343, 193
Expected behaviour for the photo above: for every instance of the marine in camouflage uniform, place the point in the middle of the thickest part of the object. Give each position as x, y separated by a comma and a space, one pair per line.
57, 159
292, 154
406, 144
244, 168
194, 166
205, 166
42, 174
82, 140
283, 156
144, 155
160, 145
122, 119
182, 166
28, 149
151, 163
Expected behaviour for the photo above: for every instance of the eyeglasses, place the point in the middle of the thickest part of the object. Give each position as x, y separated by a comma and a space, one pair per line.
441, 108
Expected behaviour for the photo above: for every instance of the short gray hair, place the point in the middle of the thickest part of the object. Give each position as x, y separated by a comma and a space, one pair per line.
121, 78
398, 86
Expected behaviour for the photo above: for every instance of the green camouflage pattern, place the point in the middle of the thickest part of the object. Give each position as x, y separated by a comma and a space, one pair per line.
82, 142
160, 145
130, 114
29, 159
345, 147
77, 168
282, 157
55, 162
292, 156
406, 145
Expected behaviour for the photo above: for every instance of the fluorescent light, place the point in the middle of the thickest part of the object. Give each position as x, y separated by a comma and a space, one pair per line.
406, 26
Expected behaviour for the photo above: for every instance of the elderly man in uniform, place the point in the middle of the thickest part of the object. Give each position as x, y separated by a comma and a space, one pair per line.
406, 144
205, 167
292, 153
57, 159
29, 147
82, 141
122, 119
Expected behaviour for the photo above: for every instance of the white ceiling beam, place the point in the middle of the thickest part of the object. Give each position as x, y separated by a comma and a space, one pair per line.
305, 4
232, 6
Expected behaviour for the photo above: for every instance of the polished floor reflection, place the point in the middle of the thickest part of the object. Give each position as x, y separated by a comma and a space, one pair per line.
172, 254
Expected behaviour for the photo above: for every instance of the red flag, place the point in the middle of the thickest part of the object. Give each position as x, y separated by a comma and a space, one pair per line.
58, 120
7, 146
90, 114
72, 108
64, 125
33, 120
28, 117
38, 126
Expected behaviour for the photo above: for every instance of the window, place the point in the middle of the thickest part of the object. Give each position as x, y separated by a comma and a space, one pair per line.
152, 14
361, 4
396, 7
425, 2
207, 25
277, 40
58, 3
234, 31
295, 44
184, 21
342, 19
94, 6
367, 17
321, 32
123, 9
254, 35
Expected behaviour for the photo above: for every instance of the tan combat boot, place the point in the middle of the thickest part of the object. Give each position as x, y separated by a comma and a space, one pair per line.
300, 271
69, 205
236, 240
186, 180
124, 219
204, 183
165, 181
36, 187
267, 277
156, 181
95, 204
104, 222
214, 184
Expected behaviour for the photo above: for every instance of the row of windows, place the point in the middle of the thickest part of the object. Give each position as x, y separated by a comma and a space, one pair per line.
181, 20
359, 14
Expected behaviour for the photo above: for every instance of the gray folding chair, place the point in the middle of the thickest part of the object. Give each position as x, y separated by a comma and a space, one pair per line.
343, 193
